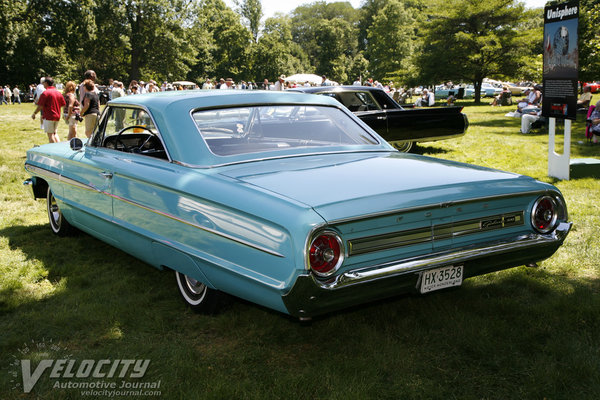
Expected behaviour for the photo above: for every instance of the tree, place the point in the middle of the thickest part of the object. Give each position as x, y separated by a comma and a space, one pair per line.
276, 53
589, 41
391, 41
251, 11
157, 37
468, 40
328, 33
231, 51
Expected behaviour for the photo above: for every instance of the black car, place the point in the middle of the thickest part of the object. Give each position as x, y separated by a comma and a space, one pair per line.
398, 125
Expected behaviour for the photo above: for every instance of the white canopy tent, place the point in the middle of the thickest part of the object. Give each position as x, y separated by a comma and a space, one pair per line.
185, 83
301, 78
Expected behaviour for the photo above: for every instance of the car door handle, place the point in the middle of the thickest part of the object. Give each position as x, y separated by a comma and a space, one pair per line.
107, 175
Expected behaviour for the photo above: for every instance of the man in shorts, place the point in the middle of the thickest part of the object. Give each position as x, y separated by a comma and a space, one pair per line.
51, 102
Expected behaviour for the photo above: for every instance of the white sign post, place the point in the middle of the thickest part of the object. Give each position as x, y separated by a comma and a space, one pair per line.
559, 165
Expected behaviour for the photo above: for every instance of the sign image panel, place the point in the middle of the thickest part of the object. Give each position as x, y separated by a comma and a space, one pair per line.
561, 60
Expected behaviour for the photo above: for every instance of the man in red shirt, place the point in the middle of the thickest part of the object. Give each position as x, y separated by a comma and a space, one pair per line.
50, 102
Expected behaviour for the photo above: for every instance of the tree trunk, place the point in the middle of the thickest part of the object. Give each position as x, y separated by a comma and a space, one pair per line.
134, 68
134, 17
477, 86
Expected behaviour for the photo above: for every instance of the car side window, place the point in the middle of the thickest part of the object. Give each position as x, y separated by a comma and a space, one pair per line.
130, 130
358, 101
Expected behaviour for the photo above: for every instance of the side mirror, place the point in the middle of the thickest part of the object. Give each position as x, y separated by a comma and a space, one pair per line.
76, 144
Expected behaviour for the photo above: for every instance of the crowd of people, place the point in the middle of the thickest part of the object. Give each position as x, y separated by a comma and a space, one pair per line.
81, 102
10, 96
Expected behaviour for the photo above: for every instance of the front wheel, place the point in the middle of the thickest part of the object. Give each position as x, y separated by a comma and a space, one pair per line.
199, 297
59, 225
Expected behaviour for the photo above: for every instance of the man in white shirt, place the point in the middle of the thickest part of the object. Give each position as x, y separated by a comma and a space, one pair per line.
39, 90
280, 84
227, 85
16, 95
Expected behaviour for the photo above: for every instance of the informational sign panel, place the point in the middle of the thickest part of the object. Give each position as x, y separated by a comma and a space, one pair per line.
561, 60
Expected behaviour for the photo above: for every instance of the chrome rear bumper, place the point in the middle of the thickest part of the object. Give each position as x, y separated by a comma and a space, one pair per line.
310, 296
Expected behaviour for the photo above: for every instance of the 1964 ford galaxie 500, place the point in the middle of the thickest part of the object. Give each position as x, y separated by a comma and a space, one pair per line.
287, 200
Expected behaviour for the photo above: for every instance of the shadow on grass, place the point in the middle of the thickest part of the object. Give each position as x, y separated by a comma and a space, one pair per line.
501, 122
72, 264
427, 150
511, 334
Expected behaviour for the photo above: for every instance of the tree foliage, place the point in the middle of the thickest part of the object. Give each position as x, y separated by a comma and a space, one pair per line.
589, 41
407, 41
391, 41
468, 40
328, 33
251, 11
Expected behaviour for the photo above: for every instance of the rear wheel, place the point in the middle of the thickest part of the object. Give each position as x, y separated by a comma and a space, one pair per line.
59, 225
403, 147
199, 297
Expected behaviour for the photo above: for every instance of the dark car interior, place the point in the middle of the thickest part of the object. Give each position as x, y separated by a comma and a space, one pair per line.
139, 143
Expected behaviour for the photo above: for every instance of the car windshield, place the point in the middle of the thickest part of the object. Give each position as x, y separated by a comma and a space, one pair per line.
242, 130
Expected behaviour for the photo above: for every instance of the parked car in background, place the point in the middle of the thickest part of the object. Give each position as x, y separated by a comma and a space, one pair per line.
287, 200
594, 86
517, 90
398, 125
443, 92
490, 90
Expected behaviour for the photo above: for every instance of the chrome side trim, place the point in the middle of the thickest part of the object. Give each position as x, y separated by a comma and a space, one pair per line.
429, 261
60, 178
41, 171
202, 228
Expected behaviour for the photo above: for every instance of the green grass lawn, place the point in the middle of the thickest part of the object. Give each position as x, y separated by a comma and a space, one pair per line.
517, 334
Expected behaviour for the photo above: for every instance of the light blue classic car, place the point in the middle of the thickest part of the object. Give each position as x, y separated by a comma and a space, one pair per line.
287, 200
464, 92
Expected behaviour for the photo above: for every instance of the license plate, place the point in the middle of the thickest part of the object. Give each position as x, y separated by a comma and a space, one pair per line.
440, 278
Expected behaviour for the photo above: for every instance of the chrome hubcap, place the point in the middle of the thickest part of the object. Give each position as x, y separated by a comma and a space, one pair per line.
54, 211
194, 286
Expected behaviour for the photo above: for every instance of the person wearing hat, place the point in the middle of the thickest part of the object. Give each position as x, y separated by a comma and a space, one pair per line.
280, 84
532, 99
228, 84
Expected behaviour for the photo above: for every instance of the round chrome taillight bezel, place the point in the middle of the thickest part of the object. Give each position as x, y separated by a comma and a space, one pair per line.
544, 214
339, 259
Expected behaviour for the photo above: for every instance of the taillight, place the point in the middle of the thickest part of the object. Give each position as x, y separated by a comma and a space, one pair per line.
544, 214
325, 254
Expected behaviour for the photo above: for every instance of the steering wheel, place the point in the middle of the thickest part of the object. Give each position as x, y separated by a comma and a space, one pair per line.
134, 149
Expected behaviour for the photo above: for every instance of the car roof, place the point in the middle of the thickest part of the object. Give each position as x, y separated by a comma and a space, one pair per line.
219, 98
171, 113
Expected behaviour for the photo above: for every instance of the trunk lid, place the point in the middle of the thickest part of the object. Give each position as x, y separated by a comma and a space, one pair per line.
346, 186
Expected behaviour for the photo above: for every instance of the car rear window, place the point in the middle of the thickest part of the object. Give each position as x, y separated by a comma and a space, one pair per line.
252, 129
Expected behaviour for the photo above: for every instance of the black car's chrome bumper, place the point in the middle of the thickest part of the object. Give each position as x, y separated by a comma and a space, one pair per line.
310, 296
